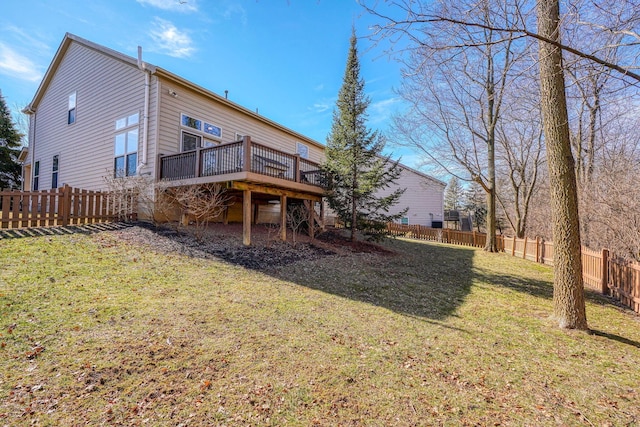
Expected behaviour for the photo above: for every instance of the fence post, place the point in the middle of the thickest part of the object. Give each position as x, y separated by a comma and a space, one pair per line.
513, 247
537, 249
604, 284
65, 202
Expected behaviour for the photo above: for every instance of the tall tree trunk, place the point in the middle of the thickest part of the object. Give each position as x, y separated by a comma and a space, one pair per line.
354, 203
568, 288
491, 245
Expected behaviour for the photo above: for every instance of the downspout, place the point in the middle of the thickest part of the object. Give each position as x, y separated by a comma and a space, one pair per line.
145, 114
32, 145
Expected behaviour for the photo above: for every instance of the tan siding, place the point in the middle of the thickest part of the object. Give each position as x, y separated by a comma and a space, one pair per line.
229, 120
106, 89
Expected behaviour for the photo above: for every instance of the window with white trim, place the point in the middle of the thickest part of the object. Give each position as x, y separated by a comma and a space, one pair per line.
199, 133
405, 220
71, 111
36, 175
302, 150
190, 141
54, 171
125, 161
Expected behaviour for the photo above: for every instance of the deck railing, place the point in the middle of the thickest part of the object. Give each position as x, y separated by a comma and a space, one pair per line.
240, 156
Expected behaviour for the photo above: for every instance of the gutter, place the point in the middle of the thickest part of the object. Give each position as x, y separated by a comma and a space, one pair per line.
145, 115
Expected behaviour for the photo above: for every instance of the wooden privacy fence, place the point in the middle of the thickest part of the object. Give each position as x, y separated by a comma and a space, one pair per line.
601, 271
442, 235
63, 206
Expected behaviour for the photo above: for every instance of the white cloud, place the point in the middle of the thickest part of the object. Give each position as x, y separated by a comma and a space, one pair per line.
320, 107
381, 111
233, 10
170, 40
185, 6
15, 65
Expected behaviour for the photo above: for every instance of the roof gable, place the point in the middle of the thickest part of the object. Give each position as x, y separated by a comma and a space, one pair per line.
59, 56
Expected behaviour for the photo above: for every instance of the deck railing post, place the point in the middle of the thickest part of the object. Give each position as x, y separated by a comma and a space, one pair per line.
604, 284
246, 154
197, 171
159, 167
297, 169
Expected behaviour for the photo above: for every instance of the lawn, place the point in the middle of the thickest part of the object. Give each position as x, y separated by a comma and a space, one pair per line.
98, 330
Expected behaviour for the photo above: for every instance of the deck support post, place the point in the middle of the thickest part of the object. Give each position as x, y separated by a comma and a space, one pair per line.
312, 215
283, 218
246, 217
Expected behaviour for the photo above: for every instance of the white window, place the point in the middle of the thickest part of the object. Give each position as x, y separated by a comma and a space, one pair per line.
192, 123
125, 161
190, 141
302, 150
71, 111
36, 175
213, 130
54, 171
199, 133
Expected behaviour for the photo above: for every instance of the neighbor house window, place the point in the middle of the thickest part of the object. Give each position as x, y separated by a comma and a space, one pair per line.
126, 146
36, 175
54, 172
71, 113
405, 221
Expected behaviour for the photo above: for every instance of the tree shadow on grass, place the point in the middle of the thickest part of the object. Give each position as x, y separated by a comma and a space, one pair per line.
526, 285
615, 337
415, 279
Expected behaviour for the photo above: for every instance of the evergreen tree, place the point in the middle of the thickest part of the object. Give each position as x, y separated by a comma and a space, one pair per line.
477, 204
453, 195
358, 171
10, 169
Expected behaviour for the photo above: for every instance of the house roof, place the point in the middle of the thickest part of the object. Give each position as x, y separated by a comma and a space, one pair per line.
153, 69
424, 175
71, 38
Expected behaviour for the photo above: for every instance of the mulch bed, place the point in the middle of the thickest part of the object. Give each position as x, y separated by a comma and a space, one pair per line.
225, 242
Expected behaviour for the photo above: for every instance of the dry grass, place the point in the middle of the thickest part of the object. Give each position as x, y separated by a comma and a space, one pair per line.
101, 331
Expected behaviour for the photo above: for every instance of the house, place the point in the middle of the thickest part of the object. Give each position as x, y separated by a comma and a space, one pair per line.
99, 113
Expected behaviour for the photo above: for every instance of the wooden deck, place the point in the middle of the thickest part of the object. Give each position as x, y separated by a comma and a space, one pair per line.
246, 161
257, 172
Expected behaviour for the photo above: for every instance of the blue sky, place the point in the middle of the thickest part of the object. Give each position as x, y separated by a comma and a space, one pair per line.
285, 58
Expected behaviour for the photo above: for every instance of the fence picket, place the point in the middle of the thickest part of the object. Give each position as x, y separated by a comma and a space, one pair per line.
61, 207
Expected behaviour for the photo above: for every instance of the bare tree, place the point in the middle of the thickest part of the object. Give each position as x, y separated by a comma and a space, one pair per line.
520, 157
455, 82
297, 216
202, 202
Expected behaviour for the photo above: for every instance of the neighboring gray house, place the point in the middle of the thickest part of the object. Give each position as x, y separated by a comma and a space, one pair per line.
101, 113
